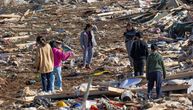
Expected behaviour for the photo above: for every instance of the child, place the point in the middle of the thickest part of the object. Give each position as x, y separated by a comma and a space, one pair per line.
154, 71
87, 42
59, 56
44, 62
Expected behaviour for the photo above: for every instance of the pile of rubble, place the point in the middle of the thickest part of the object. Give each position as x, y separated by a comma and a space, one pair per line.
167, 22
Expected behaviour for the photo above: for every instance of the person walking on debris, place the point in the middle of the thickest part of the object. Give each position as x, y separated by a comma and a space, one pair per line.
59, 56
129, 39
155, 70
139, 53
87, 42
44, 63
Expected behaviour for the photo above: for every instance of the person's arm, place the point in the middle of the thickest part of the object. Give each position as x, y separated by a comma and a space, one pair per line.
64, 55
132, 50
37, 60
147, 69
52, 56
93, 39
163, 67
146, 50
82, 42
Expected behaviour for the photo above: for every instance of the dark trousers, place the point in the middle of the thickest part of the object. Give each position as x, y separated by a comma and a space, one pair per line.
139, 67
154, 77
46, 82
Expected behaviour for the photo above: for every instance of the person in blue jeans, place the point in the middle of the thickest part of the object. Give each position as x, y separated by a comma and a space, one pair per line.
59, 56
87, 42
155, 71
44, 62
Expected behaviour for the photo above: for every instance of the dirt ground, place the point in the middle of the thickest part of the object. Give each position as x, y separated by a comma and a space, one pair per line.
16, 76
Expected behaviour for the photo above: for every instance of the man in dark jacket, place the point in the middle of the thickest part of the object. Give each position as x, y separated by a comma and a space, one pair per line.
154, 71
139, 53
129, 36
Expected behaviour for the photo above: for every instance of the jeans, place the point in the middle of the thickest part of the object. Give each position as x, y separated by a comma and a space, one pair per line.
87, 55
46, 79
139, 67
57, 72
154, 77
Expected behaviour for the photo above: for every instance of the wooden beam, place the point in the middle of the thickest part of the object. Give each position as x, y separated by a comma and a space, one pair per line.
25, 100
9, 16
72, 95
17, 37
170, 64
164, 88
182, 95
112, 91
180, 75
111, 13
21, 46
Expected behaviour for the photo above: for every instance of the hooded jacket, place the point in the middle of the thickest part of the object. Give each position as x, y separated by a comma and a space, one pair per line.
139, 50
155, 63
44, 61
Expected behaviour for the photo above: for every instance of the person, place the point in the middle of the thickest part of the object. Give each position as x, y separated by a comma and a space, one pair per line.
87, 42
59, 56
139, 54
155, 71
44, 63
129, 36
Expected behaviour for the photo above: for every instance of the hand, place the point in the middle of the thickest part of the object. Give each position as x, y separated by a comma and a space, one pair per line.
72, 55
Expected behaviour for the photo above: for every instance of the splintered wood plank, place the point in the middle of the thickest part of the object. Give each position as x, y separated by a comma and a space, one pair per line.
9, 16
72, 95
164, 88
180, 75
17, 37
170, 64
